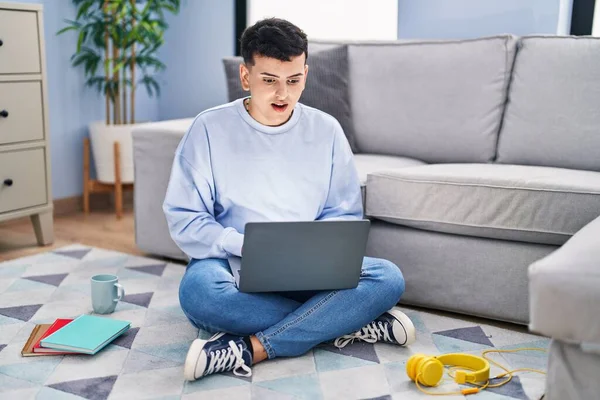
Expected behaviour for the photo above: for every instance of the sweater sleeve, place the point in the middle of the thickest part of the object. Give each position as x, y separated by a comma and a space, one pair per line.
189, 202
344, 199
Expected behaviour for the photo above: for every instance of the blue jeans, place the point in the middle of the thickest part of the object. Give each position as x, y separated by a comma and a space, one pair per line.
286, 324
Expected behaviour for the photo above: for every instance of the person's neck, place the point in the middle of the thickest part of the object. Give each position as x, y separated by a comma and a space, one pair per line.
248, 107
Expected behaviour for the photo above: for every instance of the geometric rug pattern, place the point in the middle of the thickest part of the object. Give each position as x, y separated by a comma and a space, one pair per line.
147, 361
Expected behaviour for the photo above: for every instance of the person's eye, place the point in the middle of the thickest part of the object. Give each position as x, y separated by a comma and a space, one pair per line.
293, 81
269, 81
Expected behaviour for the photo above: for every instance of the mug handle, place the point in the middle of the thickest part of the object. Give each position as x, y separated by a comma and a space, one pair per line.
120, 292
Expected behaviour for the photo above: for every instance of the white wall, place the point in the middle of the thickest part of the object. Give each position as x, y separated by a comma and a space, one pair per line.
596, 23
333, 19
565, 12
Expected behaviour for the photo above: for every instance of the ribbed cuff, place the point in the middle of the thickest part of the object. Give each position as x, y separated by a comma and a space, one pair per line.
232, 242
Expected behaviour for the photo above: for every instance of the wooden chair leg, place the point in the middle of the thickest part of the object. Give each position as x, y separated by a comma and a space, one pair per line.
86, 176
118, 184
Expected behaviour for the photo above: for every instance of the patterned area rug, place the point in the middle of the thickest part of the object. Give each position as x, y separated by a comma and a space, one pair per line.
147, 361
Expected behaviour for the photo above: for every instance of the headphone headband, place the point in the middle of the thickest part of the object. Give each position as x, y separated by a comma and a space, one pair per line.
479, 365
429, 370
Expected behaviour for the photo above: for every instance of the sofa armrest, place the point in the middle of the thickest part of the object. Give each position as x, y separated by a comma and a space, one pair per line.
154, 148
564, 290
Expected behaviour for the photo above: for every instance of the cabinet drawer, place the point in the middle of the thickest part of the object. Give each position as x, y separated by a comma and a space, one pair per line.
22, 101
20, 52
22, 179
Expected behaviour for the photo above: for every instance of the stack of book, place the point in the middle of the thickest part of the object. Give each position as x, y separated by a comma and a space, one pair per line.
86, 334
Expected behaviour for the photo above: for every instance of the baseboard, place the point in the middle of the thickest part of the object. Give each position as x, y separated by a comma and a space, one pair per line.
98, 201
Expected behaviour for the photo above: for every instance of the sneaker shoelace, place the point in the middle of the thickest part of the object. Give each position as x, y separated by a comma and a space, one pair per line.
371, 333
226, 359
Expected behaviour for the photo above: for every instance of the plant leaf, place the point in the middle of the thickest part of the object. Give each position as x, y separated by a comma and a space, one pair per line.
139, 24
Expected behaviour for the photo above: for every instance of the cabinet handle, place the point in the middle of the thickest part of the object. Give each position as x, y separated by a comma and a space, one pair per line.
3, 113
1, 42
8, 182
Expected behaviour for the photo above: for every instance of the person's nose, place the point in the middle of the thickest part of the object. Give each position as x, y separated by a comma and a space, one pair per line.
282, 91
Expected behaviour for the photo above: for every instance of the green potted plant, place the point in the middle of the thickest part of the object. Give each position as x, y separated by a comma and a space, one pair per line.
117, 45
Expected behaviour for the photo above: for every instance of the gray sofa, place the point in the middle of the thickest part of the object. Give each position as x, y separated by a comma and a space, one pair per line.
565, 305
478, 158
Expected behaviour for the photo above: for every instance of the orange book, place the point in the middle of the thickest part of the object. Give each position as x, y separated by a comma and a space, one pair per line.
59, 323
34, 337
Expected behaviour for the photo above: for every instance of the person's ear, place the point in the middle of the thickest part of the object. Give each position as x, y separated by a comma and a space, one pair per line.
245, 77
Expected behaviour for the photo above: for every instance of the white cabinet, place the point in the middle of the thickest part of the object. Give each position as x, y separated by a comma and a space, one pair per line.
25, 188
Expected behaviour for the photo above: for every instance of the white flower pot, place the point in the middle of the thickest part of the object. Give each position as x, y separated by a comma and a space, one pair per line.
102, 138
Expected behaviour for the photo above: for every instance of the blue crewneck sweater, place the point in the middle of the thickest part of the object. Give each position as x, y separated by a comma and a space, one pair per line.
229, 169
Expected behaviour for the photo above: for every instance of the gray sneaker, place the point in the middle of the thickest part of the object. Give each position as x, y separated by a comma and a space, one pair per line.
221, 353
392, 327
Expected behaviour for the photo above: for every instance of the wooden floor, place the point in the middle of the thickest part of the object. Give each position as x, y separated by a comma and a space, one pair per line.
99, 229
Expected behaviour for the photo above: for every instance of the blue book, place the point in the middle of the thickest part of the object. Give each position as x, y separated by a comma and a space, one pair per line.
86, 334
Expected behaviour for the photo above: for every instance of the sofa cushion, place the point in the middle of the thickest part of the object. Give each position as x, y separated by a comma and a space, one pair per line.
326, 85
231, 65
511, 202
436, 101
565, 281
552, 116
368, 163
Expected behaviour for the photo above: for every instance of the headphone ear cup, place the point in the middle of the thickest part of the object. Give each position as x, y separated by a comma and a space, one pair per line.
430, 371
411, 365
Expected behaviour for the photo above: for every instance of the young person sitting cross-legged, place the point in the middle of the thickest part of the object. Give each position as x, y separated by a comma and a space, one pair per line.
267, 157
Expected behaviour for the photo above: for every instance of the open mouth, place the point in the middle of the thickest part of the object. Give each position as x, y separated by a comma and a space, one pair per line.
279, 107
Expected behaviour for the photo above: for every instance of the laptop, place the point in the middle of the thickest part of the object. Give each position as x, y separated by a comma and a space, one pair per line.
298, 256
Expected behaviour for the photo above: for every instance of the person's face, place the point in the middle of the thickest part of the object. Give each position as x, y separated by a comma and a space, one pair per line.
275, 87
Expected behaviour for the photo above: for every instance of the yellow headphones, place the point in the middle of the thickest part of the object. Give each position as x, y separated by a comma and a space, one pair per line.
429, 370
468, 369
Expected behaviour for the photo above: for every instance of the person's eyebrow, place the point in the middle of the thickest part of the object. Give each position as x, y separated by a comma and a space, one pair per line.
275, 76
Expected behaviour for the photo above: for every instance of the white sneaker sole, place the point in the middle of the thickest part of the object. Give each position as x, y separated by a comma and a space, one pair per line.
409, 328
192, 358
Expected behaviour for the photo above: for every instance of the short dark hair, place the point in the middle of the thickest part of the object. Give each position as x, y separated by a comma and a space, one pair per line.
273, 38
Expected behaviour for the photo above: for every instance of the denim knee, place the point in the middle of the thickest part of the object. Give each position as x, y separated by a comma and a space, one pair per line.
197, 292
392, 284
